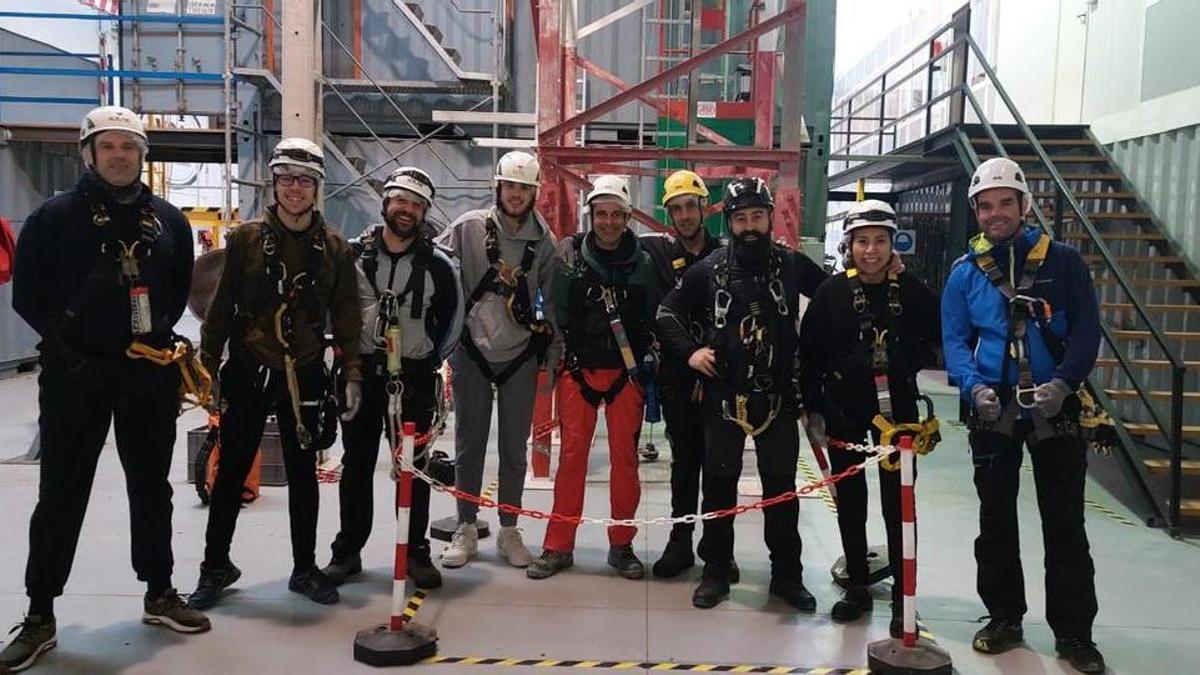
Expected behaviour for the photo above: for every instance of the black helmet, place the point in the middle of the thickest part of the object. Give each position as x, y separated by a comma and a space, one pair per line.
747, 193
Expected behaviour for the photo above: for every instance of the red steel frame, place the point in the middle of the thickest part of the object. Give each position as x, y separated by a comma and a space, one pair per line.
565, 164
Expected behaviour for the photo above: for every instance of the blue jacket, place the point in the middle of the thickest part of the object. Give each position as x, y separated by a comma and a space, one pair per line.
975, 316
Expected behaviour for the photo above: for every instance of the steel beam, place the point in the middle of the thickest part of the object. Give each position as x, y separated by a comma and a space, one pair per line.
301, 49
709, 155
552, 134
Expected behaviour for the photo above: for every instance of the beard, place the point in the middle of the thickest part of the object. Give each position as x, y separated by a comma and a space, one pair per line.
400, 230
752, 246
518, 215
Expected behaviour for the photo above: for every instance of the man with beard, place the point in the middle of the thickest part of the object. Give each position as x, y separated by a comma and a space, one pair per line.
412, 317
97, 268
284, 277
685, 197
748, 293
604, 294
1021, 329
506, 256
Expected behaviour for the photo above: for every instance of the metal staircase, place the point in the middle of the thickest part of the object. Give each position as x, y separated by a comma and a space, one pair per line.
1148, 370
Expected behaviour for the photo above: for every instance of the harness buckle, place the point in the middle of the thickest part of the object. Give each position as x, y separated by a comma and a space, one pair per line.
721, 302
1024, 396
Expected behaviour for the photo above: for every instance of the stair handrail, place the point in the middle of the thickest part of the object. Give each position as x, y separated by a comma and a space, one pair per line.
1178, 368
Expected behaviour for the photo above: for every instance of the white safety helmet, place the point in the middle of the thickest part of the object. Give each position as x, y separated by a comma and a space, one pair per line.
111, 118
300, 153
409, 179
612, 187
870, 213
1000, 172
519, 167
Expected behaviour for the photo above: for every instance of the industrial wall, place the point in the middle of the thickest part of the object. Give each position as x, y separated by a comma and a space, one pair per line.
76, 95
1165, 169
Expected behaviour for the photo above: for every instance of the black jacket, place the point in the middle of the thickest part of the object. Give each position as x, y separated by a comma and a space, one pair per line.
748, 280
60, 248
837, 379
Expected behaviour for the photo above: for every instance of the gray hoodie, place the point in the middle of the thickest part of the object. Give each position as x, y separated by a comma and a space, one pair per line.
498, 337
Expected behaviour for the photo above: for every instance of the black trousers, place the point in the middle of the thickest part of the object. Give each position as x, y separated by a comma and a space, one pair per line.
685, 433
852, 518
776, 449
1059, 468
360, 441
142, 401
252, 392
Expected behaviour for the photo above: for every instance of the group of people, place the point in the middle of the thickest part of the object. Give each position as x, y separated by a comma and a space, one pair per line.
712, 324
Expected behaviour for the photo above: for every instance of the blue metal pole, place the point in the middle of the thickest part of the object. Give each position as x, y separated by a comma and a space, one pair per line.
138, 74
124, 18
48, 99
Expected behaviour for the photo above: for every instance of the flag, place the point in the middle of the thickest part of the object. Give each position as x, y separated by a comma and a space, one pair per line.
106, 6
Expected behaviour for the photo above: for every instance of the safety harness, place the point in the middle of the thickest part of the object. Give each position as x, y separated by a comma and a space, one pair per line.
293, 290
926, 434
757, 344
508, 282
608, 297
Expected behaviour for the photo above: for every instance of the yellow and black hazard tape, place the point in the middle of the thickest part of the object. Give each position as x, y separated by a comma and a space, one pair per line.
490, 490
1096, 506
638, 665
811, 476
414, 603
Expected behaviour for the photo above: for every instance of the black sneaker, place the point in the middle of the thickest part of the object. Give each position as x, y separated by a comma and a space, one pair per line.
314, 585
794, 593
710, 593
339, 571
170, 610
213, 580
676, 558
1082, 654
551, 563
422, 571
999, 635
35, 638
856, 602
623, 559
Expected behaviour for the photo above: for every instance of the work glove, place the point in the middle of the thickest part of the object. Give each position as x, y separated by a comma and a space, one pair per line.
987, 403
1049, 397
353, 400
816, 429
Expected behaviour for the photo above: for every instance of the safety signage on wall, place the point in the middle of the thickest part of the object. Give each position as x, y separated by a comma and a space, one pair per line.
160, 6
706, 109
906, 241
202, 7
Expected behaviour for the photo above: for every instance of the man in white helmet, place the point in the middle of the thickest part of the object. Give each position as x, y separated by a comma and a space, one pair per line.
412, 319
605, 292
285, 278
864, 337
506, 258
1021, 330
97, 268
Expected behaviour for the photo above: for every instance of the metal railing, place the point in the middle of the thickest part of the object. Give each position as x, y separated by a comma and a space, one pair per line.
890, 82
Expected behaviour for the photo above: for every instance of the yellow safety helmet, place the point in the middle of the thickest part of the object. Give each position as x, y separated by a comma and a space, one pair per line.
684, 182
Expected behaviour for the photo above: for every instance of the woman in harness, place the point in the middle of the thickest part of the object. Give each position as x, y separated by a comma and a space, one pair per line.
865, 336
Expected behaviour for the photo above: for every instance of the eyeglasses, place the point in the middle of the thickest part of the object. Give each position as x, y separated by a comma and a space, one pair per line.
288, 180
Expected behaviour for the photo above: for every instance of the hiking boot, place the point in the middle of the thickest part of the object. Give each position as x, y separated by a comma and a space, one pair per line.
422, 571
999, 635
551, 563
856, 602
463, 546
339, 571
794, 593
710, 593
171, 611
1082, 654
623, 559
314, 585
676, 558
213, 580
511, 548
36, 637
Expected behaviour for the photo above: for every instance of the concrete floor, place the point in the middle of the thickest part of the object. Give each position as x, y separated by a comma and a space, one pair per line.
1148, 622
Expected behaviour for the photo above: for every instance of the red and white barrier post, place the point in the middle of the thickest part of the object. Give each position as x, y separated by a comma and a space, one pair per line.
399, 642
911, 654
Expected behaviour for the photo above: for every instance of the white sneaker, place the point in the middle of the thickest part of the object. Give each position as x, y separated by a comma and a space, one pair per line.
512, 549
463, 546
